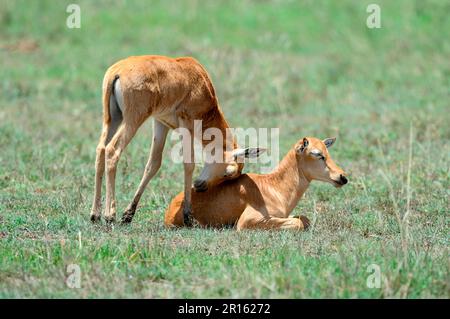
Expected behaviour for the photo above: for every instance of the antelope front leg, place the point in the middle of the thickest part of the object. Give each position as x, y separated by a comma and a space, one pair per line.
187, 129
189, 166
187, 204
294, 223
253, 219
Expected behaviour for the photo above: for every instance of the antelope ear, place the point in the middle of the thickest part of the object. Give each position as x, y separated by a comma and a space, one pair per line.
250, 152
329, 141
302, 146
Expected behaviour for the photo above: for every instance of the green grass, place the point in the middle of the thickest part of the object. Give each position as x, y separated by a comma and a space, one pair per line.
311, 69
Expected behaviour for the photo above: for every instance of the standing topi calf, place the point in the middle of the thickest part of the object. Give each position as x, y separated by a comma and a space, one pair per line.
175, 92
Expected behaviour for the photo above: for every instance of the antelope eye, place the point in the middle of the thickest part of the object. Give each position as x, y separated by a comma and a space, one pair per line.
318, 155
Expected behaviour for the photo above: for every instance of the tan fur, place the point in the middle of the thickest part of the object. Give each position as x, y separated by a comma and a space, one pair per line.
175, 92
262, 201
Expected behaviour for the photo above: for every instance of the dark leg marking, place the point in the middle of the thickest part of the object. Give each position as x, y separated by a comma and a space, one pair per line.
129, 214
187, 216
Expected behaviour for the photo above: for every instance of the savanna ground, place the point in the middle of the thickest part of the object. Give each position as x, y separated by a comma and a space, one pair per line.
310, 69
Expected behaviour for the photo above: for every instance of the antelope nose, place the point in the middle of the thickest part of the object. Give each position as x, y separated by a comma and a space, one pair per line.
343, 179
200, 185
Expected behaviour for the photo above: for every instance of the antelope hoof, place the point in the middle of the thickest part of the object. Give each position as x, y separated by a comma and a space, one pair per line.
110, 219
305, 221
200, 186
187, 217
95, 218
127, 217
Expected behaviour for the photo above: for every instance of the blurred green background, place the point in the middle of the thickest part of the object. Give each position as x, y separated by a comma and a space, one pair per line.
308, 67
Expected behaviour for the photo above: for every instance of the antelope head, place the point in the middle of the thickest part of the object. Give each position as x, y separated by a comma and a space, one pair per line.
215, 173
316, 163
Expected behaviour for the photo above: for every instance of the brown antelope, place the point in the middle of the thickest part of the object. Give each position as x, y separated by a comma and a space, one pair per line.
175, 92
264, 201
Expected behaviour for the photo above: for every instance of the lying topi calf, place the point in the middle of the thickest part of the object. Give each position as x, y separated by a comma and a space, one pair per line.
255, 201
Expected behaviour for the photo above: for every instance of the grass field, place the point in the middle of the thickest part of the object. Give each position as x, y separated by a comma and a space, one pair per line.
311, 69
